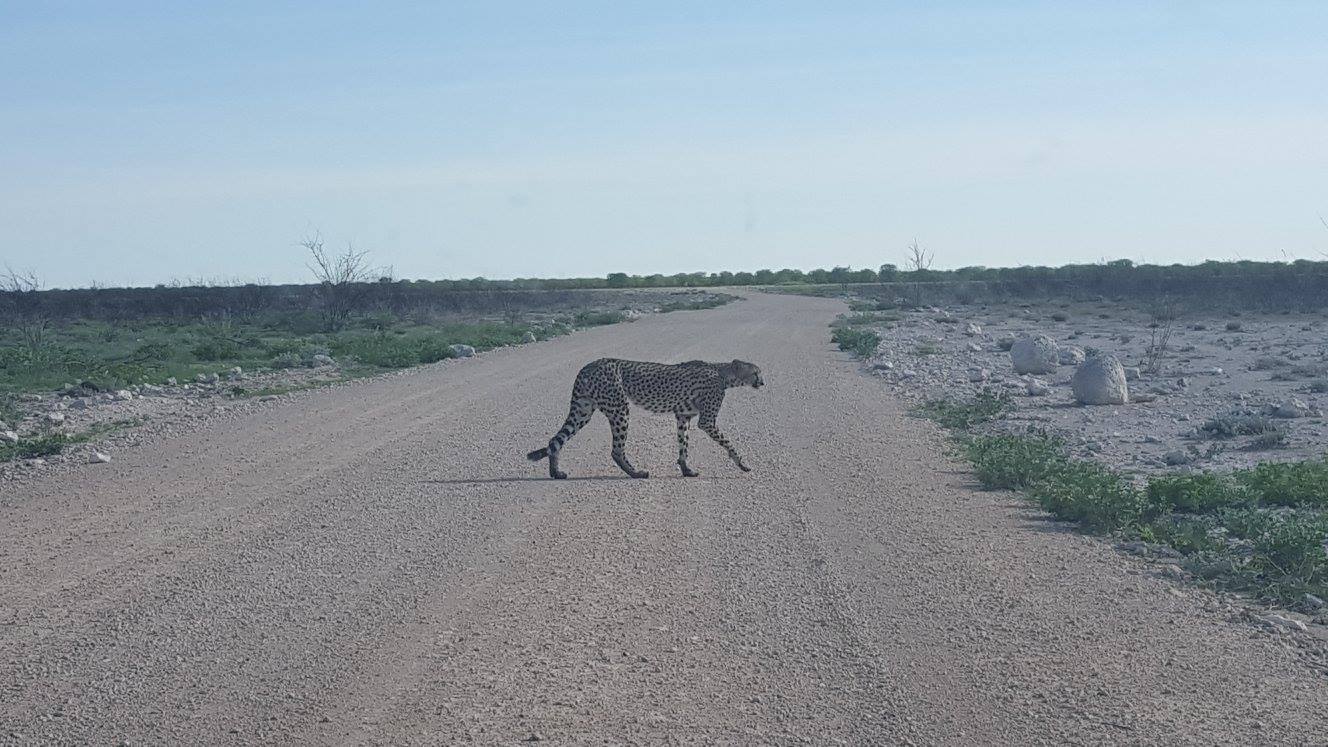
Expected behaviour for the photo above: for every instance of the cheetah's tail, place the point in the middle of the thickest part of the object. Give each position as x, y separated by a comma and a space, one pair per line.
538, 454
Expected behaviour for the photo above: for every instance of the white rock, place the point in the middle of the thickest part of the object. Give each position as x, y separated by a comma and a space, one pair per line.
123, 395
883, 366
528, 337
1037, 388
1132, 373
973, 347
977, 375
235, 374
55, 418
322, 360
9, 437
463, 351
972, 330
1035, 355
1071, 356
1100, 380
172, 382
99, 458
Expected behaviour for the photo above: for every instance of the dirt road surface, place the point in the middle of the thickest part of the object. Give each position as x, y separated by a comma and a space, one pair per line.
378, 563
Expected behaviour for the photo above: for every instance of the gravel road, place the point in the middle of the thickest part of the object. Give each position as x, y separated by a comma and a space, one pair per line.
378, 563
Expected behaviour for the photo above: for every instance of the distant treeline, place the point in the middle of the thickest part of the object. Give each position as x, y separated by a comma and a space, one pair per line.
1266, 284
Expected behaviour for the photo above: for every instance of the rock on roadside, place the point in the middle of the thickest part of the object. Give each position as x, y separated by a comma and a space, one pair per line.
1034, 355
1100, 380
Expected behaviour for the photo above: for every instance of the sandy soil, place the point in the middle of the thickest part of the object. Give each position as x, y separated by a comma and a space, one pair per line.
377, 563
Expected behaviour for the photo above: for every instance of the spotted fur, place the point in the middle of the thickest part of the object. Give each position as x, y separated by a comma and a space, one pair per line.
694, 389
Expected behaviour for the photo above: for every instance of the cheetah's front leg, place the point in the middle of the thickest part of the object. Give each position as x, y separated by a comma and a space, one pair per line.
712, 429
683, 421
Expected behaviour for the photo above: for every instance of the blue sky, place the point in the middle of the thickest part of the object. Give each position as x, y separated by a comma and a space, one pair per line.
142, 142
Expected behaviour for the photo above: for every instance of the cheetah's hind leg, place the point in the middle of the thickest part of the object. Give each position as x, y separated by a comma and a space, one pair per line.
683, 421
618, 422
577, 416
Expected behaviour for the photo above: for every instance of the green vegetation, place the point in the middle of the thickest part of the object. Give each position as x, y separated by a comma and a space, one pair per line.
1263, 529
115, 355
984, 407
36, 446
44, 445
705, 303
860, 342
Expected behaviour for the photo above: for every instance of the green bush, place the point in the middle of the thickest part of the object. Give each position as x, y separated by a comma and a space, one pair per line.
216, 349
1188, 534
984, 407
1094, 496
597, 318
1196, 494
860, 342
30, 448
1293, 484
288, 359
1013, 462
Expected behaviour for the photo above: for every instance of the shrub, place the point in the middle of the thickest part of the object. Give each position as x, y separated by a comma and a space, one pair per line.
31, 448
1092, 495
1060, 316
1267, 363
1236, 424
1013, 462
860, 342
1270, 439
1188, 534
597, 318
1234, 326
1196, 494
984, 407
216, 349
1293, 484
288, 359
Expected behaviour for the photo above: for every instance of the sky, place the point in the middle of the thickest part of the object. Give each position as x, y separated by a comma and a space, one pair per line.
142, 143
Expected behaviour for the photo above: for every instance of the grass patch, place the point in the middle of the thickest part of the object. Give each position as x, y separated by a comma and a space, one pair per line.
926, 348
860, 342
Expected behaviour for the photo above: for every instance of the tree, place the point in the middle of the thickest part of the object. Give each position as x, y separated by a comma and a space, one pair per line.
341, 279
617, 280
888, 274
22, 290
918, 262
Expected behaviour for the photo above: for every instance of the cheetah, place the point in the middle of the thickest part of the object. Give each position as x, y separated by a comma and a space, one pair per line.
691, 389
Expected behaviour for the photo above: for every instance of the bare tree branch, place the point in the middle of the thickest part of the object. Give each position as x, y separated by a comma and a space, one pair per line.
21, 290
341, 278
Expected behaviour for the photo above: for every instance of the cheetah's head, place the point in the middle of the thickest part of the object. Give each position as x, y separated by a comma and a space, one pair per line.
742, 373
